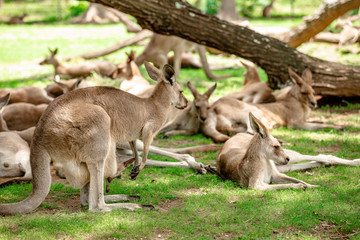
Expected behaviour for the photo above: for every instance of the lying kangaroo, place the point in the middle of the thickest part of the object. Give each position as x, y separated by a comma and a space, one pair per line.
59, 87
80, 129
160, 45
229, 115
14, 150
14, 156
103, 68
21, 116
28, 94
134, 82
187, 121
254, 91
249, 160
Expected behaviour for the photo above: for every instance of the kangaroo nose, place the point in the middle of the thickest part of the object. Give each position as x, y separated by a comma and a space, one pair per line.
287, 159
203, 119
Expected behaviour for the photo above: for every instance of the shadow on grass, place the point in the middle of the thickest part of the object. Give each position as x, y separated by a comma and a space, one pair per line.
29, 80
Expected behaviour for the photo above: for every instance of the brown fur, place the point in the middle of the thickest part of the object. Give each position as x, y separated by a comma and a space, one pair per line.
254, 91
60, 87
229, 115
21, 116
188, 121
160, 45
28, 94
134, 82
103, 67
249, 160
79, 132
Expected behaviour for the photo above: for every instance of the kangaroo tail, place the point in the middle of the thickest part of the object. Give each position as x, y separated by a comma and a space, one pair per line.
40, 166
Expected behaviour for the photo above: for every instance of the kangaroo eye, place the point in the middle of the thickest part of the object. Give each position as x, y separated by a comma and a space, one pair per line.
6, 165
277, 147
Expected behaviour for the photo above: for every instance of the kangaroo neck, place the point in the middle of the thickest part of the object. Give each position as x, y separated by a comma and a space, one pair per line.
161, 95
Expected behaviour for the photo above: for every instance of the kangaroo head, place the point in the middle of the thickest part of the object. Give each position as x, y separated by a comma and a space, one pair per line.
251, 74
270, 146
167, 77
302, 89
126, 69
67, 86
51, 58
201, 101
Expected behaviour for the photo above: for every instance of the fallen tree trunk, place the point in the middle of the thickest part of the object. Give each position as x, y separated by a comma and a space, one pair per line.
328, 11
274, 56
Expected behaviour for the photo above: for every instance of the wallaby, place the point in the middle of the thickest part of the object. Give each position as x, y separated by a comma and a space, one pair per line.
102, 67
187, 121
80, 129
134, 82
21, 116
249, 160
229, 115
28, 94
160, 45
254, 91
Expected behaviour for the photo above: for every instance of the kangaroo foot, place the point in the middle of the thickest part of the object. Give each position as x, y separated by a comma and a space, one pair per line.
134, 172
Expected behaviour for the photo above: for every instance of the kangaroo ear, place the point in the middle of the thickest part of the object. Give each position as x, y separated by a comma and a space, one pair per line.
257, 126
193, 90
168, 73
296, 78
153, 72
210, 91
4, 100
131, 56
307, 76
77, 84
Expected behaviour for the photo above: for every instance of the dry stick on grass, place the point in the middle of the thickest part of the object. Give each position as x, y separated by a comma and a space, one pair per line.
119, 45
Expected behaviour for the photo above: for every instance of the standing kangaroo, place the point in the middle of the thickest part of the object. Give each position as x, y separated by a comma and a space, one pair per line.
249, 160
79, 131
229, 115
160, 45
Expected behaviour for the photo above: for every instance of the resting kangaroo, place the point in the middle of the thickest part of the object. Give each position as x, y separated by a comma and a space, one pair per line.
60, 87
254, 91
21, 116
28, 94
103, 68
249, 160
80, 129
229, 115
187, 121
160, 45
134, 82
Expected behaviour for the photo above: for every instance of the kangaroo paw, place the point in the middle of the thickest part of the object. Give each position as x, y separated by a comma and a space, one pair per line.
134, 172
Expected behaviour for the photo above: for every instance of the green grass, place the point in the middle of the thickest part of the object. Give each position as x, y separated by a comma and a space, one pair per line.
190, 206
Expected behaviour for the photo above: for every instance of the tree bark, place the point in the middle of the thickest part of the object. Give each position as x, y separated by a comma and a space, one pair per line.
179, 18
328, 11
